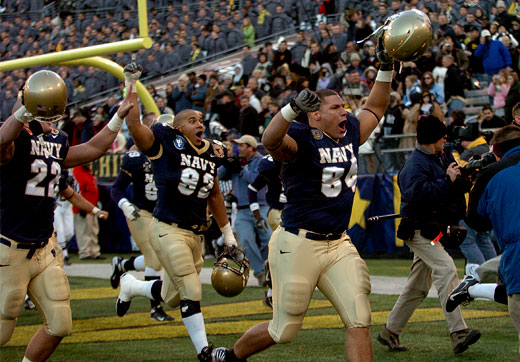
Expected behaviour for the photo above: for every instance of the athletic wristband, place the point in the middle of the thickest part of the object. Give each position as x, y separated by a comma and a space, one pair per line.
115, 123
288, 113
122, 201
95, 210
385, 76
21, 115
254, 206
129, 82
227, 232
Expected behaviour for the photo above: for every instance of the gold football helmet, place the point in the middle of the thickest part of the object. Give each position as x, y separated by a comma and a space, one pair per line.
407, 35
45, 96
230, 272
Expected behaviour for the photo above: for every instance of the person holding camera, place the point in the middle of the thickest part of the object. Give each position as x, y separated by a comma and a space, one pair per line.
477, 247
492, 205
181, 94
432, 198
243, 170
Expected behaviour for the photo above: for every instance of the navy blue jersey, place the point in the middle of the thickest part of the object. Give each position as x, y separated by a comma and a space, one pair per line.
184, 175
136, 168
29, 183
269, 174
320, 183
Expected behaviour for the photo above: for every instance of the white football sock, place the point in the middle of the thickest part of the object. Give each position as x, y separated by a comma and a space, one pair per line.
486, 290
151, 272
197, 331
25, 359
269, 292
139, 263
138, 288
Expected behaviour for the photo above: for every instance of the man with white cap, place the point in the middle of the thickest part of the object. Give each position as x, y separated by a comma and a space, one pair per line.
243, 171
493, 53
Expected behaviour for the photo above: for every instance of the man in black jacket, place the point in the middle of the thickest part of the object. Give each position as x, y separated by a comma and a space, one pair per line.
453, 84
431, 197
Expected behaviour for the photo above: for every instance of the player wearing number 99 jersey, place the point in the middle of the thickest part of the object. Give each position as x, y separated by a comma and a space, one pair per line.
184, 167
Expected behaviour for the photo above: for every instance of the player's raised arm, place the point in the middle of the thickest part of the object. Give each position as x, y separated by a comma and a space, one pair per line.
275, 139
101, 142
379, 96
142, 135
11, 129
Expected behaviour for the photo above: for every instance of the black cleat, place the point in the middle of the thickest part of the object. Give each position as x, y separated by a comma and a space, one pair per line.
460, 295
219, 354
158, 314
268, 301
206, 355
117, 271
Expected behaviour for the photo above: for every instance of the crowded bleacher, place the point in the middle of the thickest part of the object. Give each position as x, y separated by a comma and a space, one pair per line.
277, 49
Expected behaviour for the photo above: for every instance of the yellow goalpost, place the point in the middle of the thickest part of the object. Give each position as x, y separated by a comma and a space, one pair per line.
91, 56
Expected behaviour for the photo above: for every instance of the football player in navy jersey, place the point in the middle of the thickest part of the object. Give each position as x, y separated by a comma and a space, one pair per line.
268, 175
311, 248
136, 169
185, 172
31, 158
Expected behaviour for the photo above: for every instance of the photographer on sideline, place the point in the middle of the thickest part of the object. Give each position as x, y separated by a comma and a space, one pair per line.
477, 247
243, 170
432, 198
493, 203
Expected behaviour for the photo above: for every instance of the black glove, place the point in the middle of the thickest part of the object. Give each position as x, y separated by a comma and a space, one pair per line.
260, 224
234, 164
386, 61
306, 101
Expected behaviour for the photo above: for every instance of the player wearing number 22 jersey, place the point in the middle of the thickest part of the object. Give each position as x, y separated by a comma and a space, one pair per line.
29, 185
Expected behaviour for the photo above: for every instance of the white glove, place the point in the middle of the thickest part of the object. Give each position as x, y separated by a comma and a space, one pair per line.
132, 72
130, 210
23, 115
229, 238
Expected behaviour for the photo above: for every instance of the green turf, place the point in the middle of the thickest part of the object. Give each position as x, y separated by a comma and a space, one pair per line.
399, 267
427, 341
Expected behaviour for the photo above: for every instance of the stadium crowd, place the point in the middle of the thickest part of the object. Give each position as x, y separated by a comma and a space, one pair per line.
474, 45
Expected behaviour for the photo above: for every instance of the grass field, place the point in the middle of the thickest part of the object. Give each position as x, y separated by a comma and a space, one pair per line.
99, 335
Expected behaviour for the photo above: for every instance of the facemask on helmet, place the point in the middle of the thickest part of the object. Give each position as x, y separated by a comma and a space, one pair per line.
230, 272
407, 35
45, 96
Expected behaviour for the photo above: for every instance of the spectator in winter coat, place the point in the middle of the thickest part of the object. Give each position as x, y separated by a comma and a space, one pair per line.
180, 94
498, 89
493, 53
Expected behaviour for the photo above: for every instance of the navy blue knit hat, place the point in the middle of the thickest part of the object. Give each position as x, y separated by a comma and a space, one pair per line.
430, 129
